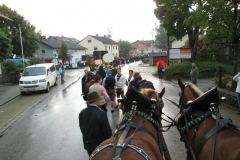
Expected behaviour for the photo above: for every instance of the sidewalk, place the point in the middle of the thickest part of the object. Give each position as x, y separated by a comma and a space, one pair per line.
204, 84
9, 91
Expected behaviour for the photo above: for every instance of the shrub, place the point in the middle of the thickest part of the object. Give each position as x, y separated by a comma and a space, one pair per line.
20, 68
35, 61
206, 69
9, 67
146, 60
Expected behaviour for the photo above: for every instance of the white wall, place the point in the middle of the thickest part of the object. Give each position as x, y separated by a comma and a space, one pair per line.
179, 44
77, 56
112, 49
90, 46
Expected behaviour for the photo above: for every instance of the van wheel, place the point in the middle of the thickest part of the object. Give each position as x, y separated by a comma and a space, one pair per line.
47, 89
23, 93
55, 84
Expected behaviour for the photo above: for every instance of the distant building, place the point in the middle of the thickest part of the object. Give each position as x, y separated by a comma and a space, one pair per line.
94, 43
147, 46
48, 51
178, 43
62, 38
158, 56
134, 51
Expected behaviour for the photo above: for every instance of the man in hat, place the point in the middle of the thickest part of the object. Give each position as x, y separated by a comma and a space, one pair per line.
94, 123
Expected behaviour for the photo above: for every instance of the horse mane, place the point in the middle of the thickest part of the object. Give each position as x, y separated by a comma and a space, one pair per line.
194, 88
148, 92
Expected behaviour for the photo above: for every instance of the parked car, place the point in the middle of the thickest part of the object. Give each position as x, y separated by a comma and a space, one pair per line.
38, 77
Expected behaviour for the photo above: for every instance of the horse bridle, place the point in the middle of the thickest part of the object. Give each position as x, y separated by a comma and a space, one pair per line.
116, 152
220, 123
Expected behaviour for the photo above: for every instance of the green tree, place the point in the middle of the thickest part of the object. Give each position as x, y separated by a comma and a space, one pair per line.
30, 38
178, 18
5, 47
222, 19
161, 37
125, 47
62, 52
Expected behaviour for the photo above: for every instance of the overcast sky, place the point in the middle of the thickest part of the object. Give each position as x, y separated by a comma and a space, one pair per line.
129, 20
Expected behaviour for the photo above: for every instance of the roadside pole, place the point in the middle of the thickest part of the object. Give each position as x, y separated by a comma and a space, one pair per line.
21, 43
168, 51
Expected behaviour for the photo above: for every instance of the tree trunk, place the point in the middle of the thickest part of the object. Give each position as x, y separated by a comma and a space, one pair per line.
195, 47
235, 46
235, 63
190, 40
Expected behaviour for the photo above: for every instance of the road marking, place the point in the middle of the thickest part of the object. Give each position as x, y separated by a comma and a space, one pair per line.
73, 74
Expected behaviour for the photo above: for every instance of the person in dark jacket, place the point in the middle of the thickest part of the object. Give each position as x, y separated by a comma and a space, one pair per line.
88, 85
143, 83
101, 72
93, 123
114, 70
134, 83
109, 83
84, 77
84, 83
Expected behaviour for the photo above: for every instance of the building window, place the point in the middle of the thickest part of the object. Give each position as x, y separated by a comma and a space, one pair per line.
83, 58
116, 47
109, 47
113, 47
143, 48
105, 47
89, 40
43, 51
95, 48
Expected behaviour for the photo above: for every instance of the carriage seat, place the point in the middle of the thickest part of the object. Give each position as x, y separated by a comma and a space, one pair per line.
203, 103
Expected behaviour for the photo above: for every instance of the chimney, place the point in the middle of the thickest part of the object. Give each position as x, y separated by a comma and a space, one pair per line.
104, 36
97, 35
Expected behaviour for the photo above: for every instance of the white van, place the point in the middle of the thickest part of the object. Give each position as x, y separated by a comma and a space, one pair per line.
38, 77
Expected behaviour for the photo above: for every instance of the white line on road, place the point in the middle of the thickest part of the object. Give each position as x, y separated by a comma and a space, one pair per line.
74, 74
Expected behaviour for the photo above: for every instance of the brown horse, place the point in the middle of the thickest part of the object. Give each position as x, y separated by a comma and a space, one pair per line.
227, 143
143, 142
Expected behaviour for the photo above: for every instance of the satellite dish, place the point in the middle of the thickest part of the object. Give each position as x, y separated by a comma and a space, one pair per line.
108, 57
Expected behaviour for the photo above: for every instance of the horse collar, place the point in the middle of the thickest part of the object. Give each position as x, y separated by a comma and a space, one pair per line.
130, 113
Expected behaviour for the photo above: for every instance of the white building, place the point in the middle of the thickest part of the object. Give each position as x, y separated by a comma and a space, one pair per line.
94, 43
179, 43
48, 51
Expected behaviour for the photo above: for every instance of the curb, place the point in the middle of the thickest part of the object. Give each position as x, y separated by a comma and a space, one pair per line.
10, 99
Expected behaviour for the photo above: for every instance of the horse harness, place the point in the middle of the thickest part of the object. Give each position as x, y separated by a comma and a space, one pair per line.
184, 125
126, 124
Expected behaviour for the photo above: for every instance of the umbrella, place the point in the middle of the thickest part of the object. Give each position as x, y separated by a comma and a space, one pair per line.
163, 63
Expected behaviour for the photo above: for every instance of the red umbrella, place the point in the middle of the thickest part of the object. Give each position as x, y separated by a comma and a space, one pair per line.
163, 63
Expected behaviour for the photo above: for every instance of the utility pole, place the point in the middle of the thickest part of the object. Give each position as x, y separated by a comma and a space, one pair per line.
152, 39
168, 51
21, 43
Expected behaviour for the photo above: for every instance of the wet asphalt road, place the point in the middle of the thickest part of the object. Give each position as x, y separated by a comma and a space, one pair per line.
50, 130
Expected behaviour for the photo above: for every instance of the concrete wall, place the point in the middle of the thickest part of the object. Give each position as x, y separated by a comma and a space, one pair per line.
179, 44
90, 46
231, 97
